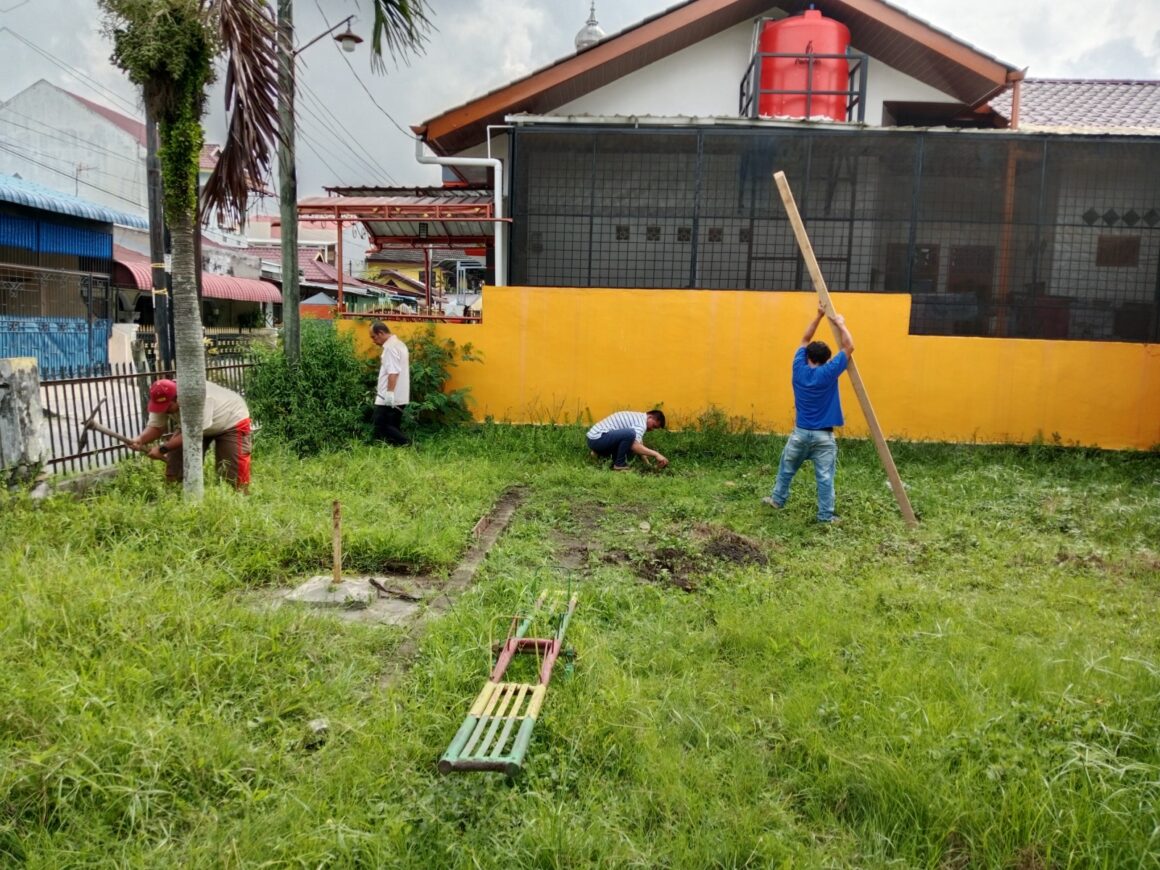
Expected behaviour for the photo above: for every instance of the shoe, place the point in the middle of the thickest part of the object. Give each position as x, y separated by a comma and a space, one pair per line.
769, 501
620, 468
834, 520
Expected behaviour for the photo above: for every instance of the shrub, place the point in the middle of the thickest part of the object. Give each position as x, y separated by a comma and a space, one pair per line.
320, 404
432, 359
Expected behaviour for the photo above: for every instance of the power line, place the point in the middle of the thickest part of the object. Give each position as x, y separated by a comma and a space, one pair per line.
29, 149
337, 157
67, 175
52, 58
79, 141
345, 138
308, 142
369, 159
375, 172
354, 72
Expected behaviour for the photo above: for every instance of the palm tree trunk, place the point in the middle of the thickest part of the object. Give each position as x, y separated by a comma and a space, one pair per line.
190, 347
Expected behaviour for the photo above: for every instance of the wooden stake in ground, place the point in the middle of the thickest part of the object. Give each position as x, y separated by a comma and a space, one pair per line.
807, 250
337, 542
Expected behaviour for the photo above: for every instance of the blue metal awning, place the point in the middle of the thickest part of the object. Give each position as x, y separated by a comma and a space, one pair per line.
20, 192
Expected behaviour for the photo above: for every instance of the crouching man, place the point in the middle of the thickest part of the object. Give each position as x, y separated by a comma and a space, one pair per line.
622, 433
226, 425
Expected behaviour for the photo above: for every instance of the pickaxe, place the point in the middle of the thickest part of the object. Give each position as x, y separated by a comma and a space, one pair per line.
91, 425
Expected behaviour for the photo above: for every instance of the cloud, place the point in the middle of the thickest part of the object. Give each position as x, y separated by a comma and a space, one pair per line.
480, 45
1116, 59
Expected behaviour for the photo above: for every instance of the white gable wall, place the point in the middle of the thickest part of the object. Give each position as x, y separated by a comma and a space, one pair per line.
46, 135
703, 80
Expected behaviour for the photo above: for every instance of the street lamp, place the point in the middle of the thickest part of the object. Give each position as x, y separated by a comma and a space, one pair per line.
287, 175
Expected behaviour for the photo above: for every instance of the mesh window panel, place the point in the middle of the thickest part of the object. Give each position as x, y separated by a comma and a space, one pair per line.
991, 235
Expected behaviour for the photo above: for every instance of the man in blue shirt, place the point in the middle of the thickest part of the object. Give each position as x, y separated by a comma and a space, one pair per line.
818, 410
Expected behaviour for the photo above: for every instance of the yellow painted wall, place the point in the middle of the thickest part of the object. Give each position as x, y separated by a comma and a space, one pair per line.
561, 355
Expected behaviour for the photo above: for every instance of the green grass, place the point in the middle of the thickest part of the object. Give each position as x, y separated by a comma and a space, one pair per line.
983, 691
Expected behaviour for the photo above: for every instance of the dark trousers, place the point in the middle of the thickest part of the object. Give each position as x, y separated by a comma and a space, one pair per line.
388, 421
616, 444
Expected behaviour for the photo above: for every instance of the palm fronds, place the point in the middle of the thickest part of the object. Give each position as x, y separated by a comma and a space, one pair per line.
247, 33
402, 25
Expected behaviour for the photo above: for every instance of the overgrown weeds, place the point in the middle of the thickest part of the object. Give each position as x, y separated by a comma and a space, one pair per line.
983, 691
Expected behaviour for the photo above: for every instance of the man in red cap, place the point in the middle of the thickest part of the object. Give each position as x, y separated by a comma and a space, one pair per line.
226, 424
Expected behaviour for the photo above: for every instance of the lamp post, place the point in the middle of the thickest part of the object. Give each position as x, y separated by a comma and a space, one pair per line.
287, 174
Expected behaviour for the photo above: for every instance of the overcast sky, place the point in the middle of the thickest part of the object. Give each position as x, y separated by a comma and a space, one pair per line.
345, 138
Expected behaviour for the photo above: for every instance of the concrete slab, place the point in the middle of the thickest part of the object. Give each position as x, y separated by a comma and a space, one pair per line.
321, 592
355, 599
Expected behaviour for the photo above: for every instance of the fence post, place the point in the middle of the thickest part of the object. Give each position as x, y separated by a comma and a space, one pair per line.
23, 432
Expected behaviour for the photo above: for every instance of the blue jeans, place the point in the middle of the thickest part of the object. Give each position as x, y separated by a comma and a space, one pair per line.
616, 444
819, 447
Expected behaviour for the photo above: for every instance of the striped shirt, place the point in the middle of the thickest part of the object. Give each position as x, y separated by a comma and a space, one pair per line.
621, 420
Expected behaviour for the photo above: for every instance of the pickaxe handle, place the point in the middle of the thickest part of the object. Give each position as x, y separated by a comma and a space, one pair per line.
104, 430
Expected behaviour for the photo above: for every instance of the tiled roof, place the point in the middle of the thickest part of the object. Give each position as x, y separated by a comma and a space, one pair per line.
412, 255
207, 160
313, 270
1088, 103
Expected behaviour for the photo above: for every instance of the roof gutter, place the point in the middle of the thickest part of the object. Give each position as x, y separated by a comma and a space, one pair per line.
497, 166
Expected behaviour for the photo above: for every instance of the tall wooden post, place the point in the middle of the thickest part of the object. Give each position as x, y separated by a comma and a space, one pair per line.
815, 270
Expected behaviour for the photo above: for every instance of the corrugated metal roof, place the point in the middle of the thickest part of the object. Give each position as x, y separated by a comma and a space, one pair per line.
1109, 105
212, 286
20, 192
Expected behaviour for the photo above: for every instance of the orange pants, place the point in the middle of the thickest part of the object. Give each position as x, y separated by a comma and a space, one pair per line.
231, 450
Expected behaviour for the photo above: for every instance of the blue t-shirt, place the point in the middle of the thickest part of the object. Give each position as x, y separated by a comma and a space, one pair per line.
815, 391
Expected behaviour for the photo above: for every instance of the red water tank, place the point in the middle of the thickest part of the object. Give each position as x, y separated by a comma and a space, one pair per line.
805, 34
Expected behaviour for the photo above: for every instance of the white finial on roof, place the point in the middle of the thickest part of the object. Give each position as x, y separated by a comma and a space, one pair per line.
590, 33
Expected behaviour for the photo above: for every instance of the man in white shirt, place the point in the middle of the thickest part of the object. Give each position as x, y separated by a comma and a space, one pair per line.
393, 391
226, 425
623, 432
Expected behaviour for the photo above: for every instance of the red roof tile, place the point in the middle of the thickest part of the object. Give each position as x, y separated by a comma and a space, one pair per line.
133, 127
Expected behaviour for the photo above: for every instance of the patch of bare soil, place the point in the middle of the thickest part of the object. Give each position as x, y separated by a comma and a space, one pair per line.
725, 545
1091, 560
683, 566
573, 545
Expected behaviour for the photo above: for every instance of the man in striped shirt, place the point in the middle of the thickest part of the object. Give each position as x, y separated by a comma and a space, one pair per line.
623, 432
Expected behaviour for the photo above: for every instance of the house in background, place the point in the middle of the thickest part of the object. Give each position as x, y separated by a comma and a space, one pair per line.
57, 297
318, 276
73, 146
67, 143
643, 231
922, 165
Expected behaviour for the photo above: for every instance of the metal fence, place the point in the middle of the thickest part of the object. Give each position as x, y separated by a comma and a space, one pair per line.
120, 396
992, 233
61, 317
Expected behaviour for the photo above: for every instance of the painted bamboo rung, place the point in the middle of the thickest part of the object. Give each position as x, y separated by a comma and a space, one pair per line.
497, 731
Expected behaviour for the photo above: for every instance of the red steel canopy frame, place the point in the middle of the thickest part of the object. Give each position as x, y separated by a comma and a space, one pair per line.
415, 221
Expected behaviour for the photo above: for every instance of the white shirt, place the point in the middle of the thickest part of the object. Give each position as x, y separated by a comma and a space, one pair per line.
621, 420
396, 361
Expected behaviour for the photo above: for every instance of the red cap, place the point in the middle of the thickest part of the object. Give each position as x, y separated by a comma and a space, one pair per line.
162, 395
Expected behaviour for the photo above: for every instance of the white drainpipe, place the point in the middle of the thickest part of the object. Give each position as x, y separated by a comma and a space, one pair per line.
497, 165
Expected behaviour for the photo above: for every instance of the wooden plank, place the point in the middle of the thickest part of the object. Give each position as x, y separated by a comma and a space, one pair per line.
815, 270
